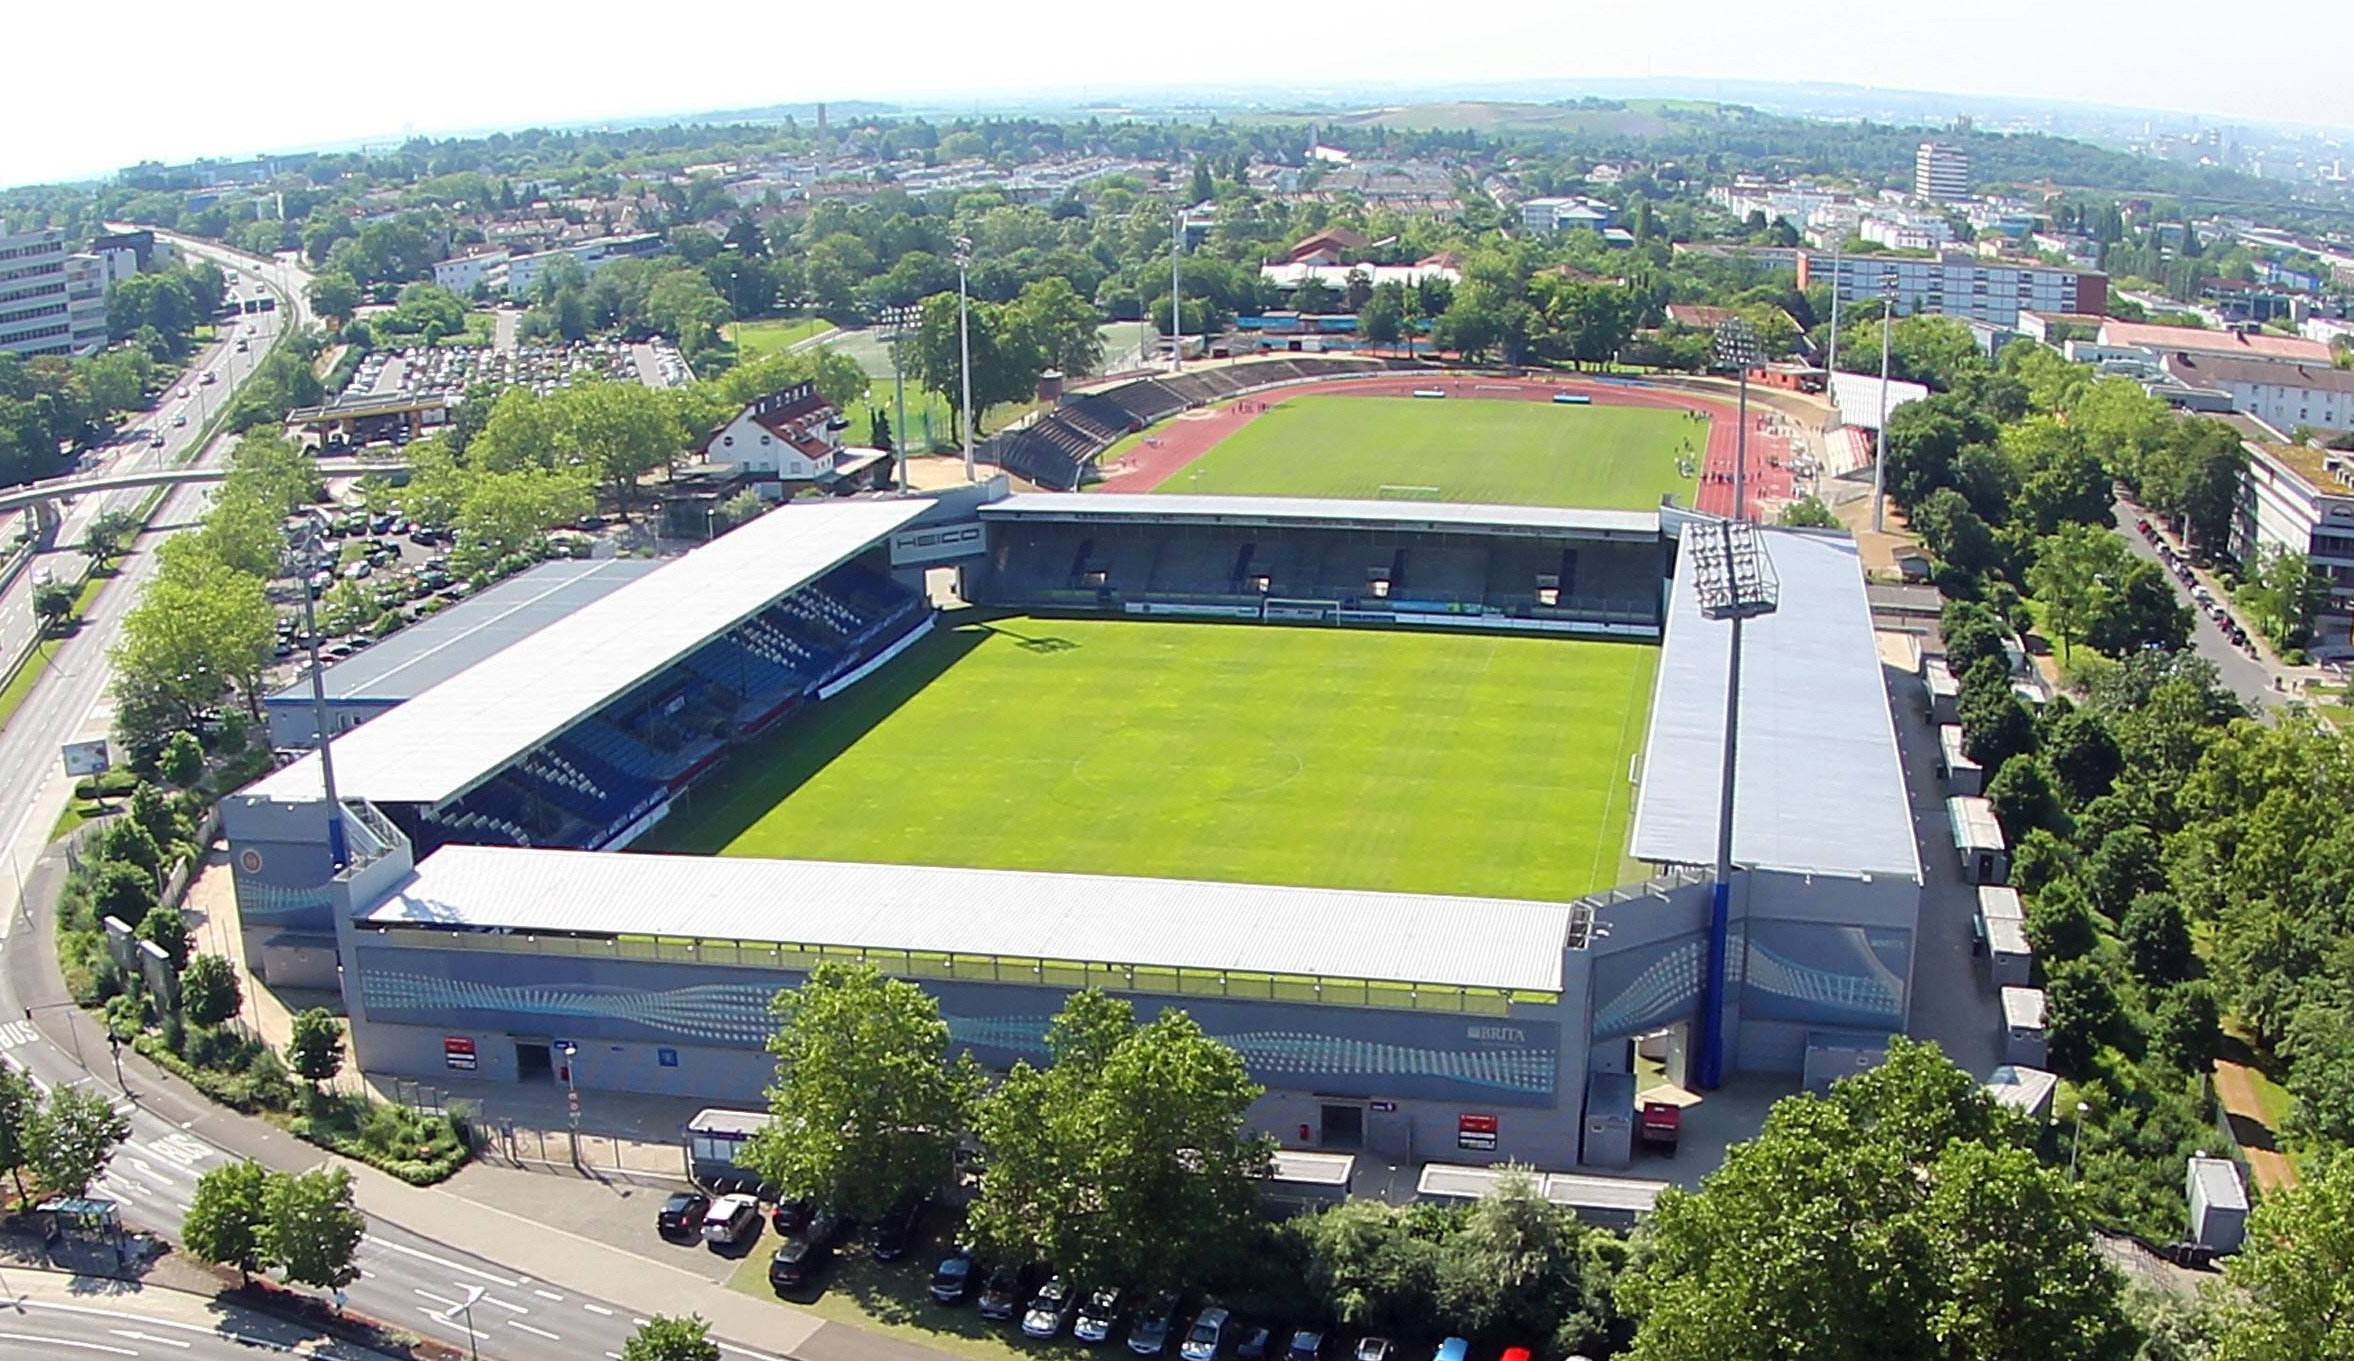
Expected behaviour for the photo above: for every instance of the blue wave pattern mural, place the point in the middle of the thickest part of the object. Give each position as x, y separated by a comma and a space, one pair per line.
256, 900
1874, 996
738, 1015
1667, 989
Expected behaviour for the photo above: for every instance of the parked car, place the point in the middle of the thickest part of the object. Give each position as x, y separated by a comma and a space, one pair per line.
1203, 1339
952, 1280
1452, 1349
1050, 1308
730, 1218
791, 1216
899, 1227
155, 441
1001, 1294
680, 1215
1373, 1349
1149, 1335
1253, 1344
1306, 1345
1098, 1316
798, 1258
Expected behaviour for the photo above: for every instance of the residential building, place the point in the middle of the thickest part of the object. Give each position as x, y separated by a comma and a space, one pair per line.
2283, 396
2297, 498
461, 274
52, 300
1911, 232
788, 438
523, 271
2157, 341
1941, 172
1959, 284
1561, 214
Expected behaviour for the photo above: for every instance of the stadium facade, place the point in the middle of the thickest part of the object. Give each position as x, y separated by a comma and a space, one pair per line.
476, 919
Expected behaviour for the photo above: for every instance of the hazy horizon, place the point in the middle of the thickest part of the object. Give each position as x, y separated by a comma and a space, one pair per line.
474, 70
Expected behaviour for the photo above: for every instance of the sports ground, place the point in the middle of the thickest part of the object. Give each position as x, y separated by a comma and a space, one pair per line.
1408, 762
1496, 452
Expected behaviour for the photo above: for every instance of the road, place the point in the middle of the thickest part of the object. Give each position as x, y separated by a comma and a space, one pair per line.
2240, 673
67, 1316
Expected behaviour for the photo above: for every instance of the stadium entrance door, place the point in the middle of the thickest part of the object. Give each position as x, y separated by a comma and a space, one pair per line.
533, 1063
1344, 1126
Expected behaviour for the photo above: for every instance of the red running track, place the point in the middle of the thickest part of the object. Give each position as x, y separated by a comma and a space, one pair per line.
1174, 443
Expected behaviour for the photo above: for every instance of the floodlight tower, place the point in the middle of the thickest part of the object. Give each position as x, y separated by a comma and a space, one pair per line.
1880, 450
1176, 292
303, 559
1831, 360
1733, 581
898, 318
964, 350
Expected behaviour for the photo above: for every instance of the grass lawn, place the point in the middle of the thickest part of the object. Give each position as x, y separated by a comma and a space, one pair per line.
21, 684
1507, 452
1399, 761
753, 339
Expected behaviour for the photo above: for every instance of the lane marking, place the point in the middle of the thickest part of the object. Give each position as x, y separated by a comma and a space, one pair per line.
535, 1332
440, 1261
549, 1295
598, 1309
516, 1308
452, 1324
69, 1342
441, 1300
136, 1336
743, 1351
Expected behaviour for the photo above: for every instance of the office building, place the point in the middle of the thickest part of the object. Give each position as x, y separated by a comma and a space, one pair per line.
52, 300
1941, 172
1959, 284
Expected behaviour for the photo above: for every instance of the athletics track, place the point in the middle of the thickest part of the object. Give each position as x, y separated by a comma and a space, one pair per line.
1176, 442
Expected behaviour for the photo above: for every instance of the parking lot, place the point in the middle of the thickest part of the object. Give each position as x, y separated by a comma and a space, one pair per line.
450, 370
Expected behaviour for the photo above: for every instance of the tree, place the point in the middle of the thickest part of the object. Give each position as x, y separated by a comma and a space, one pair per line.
1903, 1215
2081, 1012
72, 1136
1960, 538
182, 760
109, 531
2292, 1297
2123, 867
2186, 1028
209, 992
1518, 1267
663, 1338
228, 1217
123, 891
2023, 797
620, 430
334, 295
1061, 327
167, 930
1808, 512
19, 1099
200, 629
312, 1230
2074, 570
2284, 594
867, 1102
1995, 725
1129, 1159
1382, 321
2083, 757
314, 1048
53, 604
1005, 363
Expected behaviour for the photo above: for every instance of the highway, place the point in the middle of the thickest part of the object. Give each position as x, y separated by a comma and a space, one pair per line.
406, 1280
50, 1315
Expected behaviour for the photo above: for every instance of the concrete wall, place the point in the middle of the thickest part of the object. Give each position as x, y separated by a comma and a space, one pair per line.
279, 863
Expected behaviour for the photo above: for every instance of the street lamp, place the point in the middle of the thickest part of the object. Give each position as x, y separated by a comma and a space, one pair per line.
1831, 360
1732, 580
897, 318
571, 1053
1880, 453
464, 1309
964, 350
2077, 1142
304, 556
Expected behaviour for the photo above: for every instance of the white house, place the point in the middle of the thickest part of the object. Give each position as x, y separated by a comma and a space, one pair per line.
793, 436
462, 273
2282, 395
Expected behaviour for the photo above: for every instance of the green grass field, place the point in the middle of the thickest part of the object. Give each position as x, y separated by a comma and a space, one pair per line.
1401, 761
753, 339
1503, 452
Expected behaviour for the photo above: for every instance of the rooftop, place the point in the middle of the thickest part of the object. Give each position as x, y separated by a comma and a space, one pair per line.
1857, 395
2197, 340
1163, 923
2200, 367
446, 740
1819, 787
1313, 510
2312, 464
431, 651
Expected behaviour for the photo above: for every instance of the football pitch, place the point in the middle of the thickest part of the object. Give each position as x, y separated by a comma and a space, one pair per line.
1503, 452
1409, 762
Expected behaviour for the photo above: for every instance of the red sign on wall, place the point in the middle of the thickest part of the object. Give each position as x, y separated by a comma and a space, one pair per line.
1476, 1133
458, 1052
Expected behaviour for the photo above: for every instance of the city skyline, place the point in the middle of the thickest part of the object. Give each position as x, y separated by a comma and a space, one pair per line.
1055, 52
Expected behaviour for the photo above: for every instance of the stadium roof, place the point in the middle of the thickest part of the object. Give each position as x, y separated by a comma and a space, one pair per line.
1322, 511
446, 740
431, 651
1820, 786
1166, 923
1857, 395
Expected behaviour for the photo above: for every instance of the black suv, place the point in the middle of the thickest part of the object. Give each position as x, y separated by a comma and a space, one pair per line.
952, 1280
681, 1216
1003, 1294
899, 1227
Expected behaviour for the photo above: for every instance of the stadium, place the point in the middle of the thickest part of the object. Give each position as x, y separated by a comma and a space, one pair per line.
1410, 801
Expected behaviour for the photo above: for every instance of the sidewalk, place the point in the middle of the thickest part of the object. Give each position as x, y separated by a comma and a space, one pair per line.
60, 1304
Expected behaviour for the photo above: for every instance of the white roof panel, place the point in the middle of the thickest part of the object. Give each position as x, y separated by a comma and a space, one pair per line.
441, 743
1319, 510
1258, 928
1820, 787
1857, 395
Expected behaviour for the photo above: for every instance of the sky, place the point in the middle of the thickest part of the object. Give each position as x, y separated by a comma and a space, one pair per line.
175, 82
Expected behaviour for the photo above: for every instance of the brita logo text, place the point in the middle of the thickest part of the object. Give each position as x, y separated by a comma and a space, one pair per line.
1500, 1034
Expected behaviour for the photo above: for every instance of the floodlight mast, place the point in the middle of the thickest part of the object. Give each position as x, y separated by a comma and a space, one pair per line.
1731, 581
1880, 452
